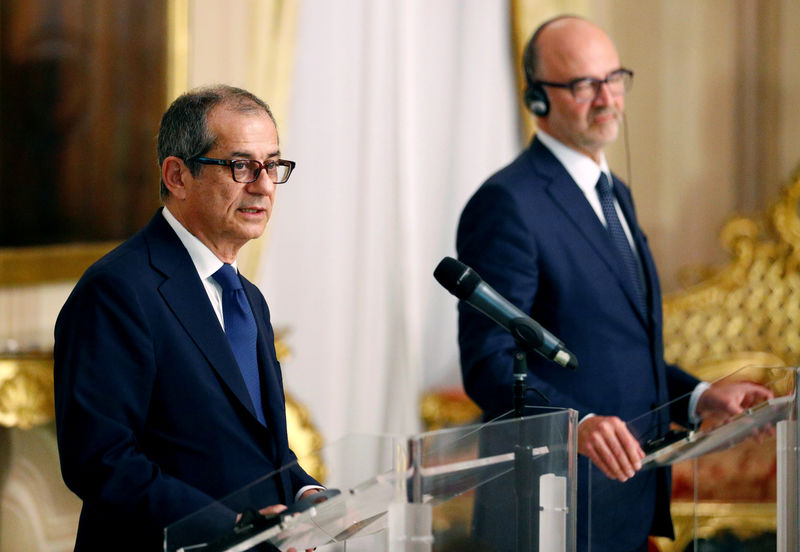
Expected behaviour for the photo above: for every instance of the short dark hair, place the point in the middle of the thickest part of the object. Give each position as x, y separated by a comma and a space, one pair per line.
184, 130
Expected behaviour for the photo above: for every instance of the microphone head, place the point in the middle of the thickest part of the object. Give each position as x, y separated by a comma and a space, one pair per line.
456, 277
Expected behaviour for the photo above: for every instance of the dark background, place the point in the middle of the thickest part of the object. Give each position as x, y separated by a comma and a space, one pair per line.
82, 90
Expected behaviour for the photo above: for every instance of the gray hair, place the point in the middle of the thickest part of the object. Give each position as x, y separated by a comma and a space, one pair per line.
184, 131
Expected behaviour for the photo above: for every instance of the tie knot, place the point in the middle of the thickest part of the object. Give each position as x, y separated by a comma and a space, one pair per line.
603, 186
227, 278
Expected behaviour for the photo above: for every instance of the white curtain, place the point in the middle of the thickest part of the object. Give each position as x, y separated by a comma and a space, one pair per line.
398, 111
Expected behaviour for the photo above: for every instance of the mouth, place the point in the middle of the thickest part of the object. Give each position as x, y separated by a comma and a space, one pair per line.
252, 210
605, 116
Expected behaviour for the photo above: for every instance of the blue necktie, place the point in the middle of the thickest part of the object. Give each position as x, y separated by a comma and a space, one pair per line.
614, 226
241, 331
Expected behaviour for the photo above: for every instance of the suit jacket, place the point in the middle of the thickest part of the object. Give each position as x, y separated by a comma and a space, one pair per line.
532, 235
154, 420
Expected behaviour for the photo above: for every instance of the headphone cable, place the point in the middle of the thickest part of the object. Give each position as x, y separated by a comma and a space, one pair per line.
627, 150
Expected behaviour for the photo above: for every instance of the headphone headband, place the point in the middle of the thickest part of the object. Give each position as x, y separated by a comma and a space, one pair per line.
535, 95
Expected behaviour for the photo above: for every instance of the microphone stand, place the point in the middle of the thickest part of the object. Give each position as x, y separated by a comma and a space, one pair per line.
520, 379
523, 451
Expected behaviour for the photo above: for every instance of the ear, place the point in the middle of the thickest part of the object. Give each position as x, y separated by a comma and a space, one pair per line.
175, 175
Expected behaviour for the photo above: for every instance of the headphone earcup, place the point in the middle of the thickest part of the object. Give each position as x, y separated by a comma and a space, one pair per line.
536, 100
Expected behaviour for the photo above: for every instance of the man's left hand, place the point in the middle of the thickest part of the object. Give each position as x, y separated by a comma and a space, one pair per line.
723, 400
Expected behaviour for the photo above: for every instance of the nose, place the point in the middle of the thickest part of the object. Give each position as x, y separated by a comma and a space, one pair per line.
263, 185
604, 95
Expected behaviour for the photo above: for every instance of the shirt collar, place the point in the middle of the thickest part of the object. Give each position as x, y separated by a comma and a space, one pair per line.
583, 170
205, 262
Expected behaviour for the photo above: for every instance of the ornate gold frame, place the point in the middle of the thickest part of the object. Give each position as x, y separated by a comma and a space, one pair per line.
49, 263
26, 390
52, 263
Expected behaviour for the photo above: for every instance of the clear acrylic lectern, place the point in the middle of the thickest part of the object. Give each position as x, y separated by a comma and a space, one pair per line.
416, 493
722, 453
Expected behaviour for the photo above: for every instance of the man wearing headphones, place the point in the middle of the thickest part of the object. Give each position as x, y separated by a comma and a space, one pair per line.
555, 232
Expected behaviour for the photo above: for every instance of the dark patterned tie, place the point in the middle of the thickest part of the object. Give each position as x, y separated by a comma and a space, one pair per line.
621, 243
240, 328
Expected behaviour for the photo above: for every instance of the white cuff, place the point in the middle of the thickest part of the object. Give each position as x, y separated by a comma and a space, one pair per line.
699, 390
304, 489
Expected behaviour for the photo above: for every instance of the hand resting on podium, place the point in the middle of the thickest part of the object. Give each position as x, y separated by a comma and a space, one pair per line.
609, 444
725, 399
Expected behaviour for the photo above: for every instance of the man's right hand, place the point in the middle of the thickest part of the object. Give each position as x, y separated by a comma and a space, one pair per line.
277, 509
608, 443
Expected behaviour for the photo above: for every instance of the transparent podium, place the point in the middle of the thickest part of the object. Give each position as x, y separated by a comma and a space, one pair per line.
734, 481
455, 489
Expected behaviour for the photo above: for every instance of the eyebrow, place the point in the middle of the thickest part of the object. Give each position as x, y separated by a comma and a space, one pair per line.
620, 68
248, 155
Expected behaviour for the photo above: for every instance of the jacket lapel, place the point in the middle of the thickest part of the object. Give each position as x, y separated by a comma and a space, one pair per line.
272, 396
183, 291
570, 200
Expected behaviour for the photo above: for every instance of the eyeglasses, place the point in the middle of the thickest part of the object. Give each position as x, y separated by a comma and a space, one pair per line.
245, 171
586, 89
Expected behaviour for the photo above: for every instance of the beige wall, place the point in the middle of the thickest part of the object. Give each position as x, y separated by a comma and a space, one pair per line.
712, 120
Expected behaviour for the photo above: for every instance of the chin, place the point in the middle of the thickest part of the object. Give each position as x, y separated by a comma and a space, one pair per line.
605, 137
255, 234
251, 231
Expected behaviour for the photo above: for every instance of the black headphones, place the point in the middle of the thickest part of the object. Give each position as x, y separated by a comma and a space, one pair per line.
535, 96
536, 100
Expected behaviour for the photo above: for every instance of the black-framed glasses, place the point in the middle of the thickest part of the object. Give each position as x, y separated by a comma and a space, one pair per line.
586, 89
245, 171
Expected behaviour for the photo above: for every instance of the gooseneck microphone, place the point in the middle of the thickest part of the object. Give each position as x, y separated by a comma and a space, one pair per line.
464, 283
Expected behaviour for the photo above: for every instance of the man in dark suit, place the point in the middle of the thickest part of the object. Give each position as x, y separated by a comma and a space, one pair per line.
540, 232
168, 392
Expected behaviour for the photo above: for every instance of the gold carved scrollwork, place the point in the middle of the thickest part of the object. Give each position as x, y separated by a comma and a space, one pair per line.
304, 439
447, 408
752, 303
26, 390
711, 520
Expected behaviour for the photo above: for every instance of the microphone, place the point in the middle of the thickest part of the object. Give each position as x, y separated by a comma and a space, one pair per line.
464, 283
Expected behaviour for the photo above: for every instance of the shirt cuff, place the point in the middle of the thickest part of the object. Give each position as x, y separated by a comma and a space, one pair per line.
699, 390
304, 489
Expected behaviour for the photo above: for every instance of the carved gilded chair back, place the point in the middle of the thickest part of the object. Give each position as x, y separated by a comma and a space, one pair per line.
752, 304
